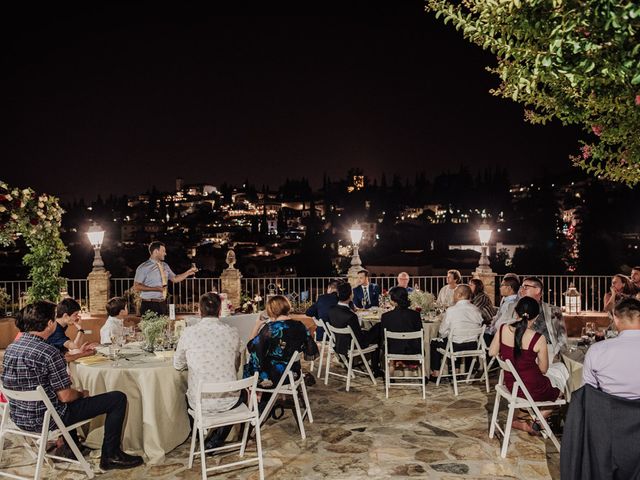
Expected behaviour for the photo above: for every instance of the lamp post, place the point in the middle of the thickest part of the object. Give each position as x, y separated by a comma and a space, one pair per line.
356, 264
96, 236
484, 232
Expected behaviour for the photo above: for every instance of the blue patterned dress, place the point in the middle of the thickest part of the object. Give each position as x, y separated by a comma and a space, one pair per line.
273, 347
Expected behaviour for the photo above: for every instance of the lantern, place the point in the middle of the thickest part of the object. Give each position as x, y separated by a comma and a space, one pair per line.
572, 300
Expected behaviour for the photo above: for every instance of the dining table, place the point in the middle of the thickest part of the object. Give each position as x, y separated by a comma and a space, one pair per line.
430, 327
157, 419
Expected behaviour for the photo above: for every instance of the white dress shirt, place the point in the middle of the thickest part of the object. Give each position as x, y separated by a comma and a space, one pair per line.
209, 350
462, 315
113, 327
612, 365
501, 317
445, 296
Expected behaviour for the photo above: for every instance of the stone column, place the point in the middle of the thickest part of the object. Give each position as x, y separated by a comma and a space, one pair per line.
99, 289
488, 277
230, 280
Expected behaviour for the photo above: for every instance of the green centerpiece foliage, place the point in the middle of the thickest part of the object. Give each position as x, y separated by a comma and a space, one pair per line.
152, 326
575, 61
37, 219
422, 301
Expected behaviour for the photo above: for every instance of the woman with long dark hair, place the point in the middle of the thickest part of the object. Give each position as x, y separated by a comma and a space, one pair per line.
527, 351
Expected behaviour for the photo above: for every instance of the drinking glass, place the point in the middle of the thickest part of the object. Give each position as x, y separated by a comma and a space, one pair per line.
114, 349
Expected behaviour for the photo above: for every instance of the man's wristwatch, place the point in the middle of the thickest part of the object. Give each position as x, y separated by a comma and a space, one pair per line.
81, 330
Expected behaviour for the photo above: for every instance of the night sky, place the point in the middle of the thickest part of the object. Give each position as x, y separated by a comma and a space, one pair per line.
112, 99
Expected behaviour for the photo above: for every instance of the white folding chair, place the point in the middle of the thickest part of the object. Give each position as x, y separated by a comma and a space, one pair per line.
480, 352
242, 414
290, 388
40, 438
323, 343
390, 357
516, 402
354, 351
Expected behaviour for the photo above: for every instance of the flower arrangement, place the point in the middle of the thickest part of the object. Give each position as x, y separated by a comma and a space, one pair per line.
152, 325
422, 301
37, 219
250, 305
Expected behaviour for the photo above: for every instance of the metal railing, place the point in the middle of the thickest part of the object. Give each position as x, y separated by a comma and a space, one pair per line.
16, 291
592, 288
184, 295
304, 290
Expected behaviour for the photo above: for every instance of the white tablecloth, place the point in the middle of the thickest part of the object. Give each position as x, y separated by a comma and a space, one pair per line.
430, 329
157, 420
244, 323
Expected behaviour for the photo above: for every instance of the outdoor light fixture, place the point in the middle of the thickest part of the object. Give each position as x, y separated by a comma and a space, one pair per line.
96, 236
572, 300
484, 232
356, 233
356, 237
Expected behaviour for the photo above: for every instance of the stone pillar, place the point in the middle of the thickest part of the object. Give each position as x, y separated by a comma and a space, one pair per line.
99, 290
230, 280
488, 277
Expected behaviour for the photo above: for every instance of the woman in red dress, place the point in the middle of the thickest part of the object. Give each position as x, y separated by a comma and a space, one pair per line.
527, 351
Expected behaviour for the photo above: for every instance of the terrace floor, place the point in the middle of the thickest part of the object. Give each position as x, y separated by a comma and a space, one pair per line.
361, 434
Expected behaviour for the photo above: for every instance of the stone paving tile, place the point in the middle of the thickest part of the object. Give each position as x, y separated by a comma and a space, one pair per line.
358, 435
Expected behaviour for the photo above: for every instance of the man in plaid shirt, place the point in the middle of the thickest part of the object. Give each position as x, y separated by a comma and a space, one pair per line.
30, 361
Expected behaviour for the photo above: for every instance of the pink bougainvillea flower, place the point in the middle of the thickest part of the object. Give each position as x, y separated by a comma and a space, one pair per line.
597, 129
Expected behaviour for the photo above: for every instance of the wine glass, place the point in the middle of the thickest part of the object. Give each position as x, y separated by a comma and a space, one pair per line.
114, 349
127, 333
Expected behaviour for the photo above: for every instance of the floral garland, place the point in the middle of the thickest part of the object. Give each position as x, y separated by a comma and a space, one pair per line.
37, 219
22, 212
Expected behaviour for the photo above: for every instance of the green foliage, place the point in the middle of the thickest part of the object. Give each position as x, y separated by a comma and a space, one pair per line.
152, 325
35, 218
5, 300
576, 61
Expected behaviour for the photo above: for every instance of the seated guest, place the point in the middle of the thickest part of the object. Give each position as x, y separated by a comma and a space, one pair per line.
635, 278
114, 326
275, 342
403, 281
527, 351
210, 350
445, 295
611, 365
341, 316
68, 312
30, 362
509, 288
481, 300
621, 287
366, 294
320, 309
460, 316
549, 323
401, 319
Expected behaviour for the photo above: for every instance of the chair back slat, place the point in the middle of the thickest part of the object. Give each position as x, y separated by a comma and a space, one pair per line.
403, 335
23, 396
224, 387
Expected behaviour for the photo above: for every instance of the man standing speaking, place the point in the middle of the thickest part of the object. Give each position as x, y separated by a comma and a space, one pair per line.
152, 278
